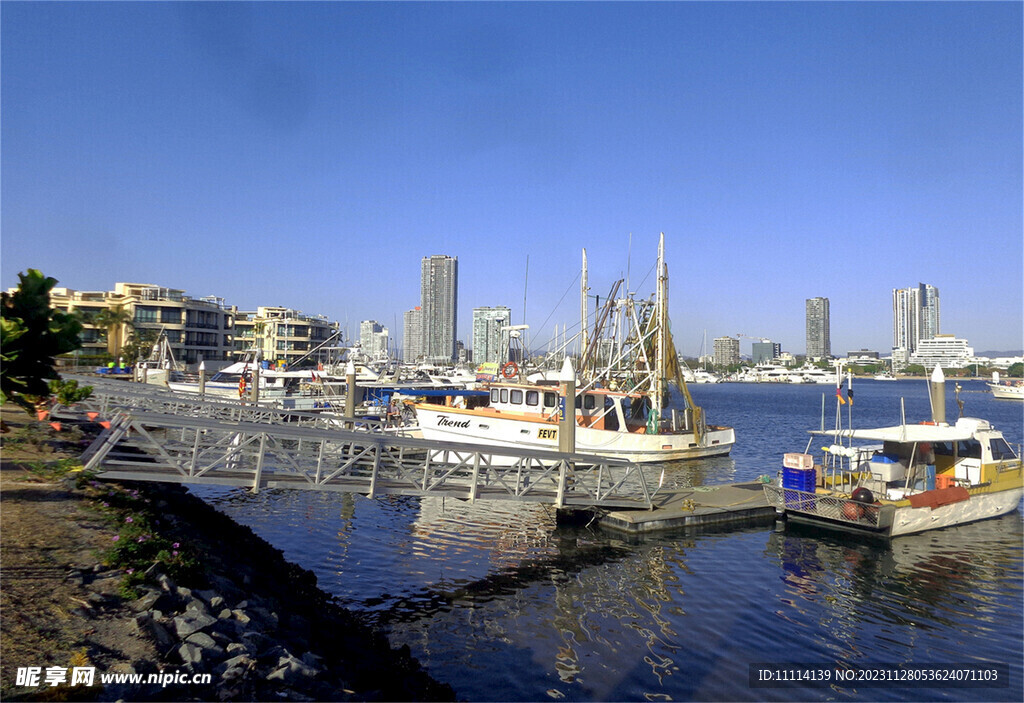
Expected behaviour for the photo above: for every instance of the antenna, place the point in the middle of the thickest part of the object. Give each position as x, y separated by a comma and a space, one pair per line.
526, 282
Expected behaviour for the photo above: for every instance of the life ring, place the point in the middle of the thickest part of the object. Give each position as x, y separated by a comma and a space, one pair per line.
510, 370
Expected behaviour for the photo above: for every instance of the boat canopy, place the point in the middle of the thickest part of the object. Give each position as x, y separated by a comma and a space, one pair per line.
906, 433
439, 393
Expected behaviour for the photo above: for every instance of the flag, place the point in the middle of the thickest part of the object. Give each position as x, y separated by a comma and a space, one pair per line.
849, 395
839, 395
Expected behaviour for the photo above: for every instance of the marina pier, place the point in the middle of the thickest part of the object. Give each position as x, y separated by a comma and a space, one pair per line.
151, 434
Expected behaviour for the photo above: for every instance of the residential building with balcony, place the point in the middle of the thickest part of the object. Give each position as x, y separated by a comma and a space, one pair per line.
284, 336
197, 329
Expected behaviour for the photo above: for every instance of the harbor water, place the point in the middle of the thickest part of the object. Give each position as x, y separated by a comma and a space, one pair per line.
501, 603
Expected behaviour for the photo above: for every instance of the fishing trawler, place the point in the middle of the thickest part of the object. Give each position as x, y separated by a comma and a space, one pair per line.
908, 478
619, 397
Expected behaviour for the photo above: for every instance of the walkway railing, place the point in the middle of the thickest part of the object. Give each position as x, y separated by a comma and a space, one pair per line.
108, 396
151, 446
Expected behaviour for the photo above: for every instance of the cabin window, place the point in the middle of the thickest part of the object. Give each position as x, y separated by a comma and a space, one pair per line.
942, 448
504, 395
970, 449
517, 396
639, 408
494, 395
588, 402
550, 400
1001, 450
532, 398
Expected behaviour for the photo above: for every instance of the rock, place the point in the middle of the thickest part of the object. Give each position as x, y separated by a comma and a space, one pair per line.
268, 619
196, 605
290, 671
146, 602
191, 622
191, 655
146, 625
184, 593
166, 583
241, 616
224, 614
256, 641
237, 649
97, 599
240, 660
274, 652
216, 603
207, 644
313, 660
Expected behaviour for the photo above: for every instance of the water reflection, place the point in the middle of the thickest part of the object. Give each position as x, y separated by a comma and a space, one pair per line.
504, 603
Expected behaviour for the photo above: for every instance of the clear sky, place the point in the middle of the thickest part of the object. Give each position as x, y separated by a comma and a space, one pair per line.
309, 156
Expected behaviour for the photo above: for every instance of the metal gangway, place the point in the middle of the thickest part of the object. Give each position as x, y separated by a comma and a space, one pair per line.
109, 396
157, 436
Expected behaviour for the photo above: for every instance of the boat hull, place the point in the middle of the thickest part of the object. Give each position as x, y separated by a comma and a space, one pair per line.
891, 519
453, 425
1007, 392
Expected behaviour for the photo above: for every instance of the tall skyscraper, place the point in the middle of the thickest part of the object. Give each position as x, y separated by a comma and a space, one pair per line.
929, 299
412, 335
439, 289
819, 340
915, 316
490, 339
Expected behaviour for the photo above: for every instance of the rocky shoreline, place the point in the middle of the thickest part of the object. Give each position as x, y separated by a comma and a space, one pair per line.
261, 625
255, 624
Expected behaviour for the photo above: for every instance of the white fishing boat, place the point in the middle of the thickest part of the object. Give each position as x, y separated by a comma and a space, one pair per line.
905, 479
1006, 391
621, 404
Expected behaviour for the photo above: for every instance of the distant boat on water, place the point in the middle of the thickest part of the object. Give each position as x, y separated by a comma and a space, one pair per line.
1006, 391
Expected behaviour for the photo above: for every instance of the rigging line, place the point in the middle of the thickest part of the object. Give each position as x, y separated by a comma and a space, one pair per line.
646, 276
570, 287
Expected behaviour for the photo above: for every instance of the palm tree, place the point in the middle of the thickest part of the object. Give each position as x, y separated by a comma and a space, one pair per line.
113, 320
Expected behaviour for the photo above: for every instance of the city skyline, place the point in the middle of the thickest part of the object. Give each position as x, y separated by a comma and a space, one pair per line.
309, 155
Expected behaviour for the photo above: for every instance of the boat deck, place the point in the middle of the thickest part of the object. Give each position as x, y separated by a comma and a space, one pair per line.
697, 506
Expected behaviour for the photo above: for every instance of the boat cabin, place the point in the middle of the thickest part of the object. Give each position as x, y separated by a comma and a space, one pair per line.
926, 456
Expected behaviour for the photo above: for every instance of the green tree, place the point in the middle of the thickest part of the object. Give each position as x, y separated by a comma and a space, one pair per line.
114, 319
140, 344
32, 334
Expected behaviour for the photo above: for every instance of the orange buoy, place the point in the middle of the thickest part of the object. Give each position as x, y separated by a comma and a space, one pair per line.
853, 511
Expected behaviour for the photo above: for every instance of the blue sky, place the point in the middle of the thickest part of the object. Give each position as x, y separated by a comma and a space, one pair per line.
309, 155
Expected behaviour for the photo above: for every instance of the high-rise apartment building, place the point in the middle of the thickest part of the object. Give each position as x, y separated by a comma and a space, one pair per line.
727, 351
439, 286
412, 335
819, 340
490, 334
373, 339
915, 317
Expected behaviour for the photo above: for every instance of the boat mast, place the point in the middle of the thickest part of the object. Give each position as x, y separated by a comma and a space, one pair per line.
584, 312
660, 307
